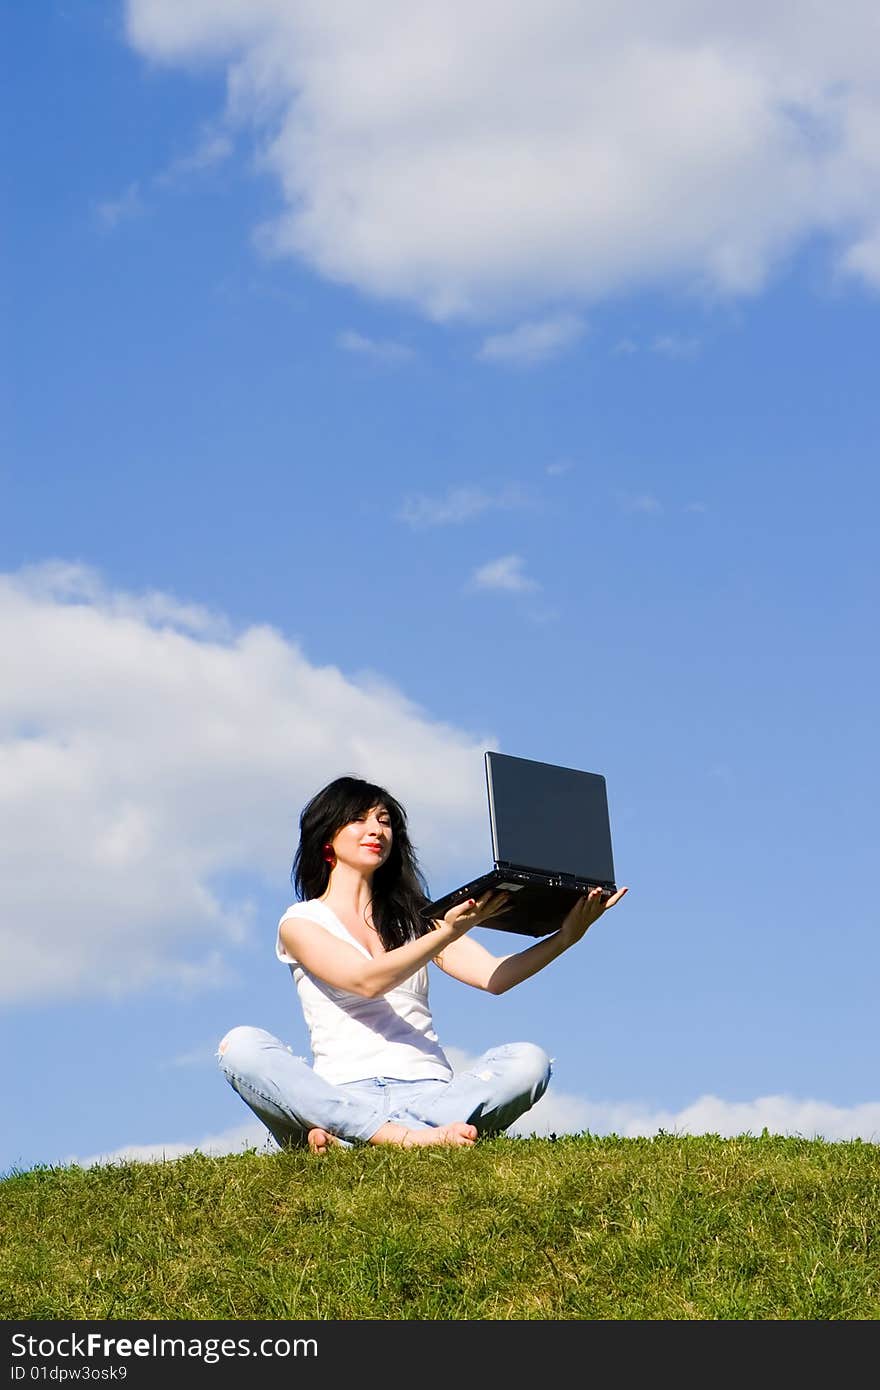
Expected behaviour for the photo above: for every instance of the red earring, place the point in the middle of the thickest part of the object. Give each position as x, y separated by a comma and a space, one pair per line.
329, 856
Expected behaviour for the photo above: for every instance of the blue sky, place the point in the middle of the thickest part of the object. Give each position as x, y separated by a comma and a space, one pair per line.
377, 392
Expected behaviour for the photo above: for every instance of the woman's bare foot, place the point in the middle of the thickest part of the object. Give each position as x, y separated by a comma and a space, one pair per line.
320, 1141
458, 1134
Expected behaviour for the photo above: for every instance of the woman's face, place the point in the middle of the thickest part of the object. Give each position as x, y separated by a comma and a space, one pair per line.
364, 843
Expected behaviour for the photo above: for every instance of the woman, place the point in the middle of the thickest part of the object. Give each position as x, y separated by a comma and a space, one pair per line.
358, 950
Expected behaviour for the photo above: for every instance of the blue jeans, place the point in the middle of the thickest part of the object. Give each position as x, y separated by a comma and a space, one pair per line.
290, 1099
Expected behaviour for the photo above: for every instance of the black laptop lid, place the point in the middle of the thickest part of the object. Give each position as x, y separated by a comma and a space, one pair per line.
549, 818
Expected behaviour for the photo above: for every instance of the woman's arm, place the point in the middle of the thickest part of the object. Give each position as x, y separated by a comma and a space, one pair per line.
344, 967
469, 962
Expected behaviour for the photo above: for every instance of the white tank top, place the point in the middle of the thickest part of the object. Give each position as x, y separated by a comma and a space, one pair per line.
354, 1038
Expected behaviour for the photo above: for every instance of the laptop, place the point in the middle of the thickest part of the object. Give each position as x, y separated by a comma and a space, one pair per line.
551, 843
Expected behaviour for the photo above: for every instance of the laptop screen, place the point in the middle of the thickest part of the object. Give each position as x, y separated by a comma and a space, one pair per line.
549, 818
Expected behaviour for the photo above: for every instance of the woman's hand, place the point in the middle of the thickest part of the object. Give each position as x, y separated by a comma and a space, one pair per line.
585, 912
475, 911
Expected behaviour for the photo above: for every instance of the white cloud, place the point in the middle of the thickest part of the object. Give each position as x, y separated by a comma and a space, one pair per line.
504, 575
530, 343
676, 345
382, 350
147, 753
211, 149
115, 210
809, 1119
863, 259
466, 158
640, 502
460, 504
229, 1141
197, 1057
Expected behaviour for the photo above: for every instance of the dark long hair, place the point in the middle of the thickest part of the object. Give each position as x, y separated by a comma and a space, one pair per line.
399, 890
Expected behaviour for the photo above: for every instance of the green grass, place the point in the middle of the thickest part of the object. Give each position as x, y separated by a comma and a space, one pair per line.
584, 1227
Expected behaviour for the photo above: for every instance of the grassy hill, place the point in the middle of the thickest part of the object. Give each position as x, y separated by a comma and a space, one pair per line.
582, 1227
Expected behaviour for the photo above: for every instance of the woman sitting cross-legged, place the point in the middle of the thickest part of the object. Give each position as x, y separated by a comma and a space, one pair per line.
359, 949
